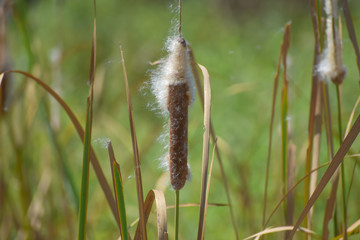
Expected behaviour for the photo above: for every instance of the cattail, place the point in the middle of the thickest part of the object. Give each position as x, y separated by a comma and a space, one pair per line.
332, 65
173, 87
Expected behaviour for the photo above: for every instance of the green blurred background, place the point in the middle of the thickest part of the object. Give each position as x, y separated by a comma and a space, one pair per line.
237, 41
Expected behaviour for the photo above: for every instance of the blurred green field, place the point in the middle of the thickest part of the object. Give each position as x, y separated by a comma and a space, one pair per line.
237, 41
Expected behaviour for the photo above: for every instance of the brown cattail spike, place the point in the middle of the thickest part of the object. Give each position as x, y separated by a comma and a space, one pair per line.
177, 104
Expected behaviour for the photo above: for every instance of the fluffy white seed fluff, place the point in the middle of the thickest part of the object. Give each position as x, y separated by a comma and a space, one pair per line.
172, 70
176, 63
331, 65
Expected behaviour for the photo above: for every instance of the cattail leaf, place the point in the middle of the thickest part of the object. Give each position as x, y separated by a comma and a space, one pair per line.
87, 141
85, 174
119, 192
139, 187
205, 158
160, 204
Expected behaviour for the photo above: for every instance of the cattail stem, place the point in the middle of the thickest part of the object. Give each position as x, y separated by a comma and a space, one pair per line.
177, 202
179, 18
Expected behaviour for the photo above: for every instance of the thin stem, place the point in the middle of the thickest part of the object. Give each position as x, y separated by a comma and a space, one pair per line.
177, 214
342, 173
180, 18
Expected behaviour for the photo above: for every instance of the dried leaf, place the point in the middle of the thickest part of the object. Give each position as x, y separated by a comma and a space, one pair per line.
159, 198
206, 141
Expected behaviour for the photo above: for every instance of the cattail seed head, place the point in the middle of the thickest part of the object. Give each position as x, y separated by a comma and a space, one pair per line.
332, 65
173, 86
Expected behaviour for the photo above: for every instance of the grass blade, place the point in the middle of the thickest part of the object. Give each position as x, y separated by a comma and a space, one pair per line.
330, 205
290, 182
351, 117
276, 82
136, 153
344, 148
87, 141
119, 192
316, 144
85, 174
205, 154
284, 114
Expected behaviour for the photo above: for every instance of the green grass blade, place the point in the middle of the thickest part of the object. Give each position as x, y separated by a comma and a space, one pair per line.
85, 175
87, 140
284, 114
120, 200
119, 192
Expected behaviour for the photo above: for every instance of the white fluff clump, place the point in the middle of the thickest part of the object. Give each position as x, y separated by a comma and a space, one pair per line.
172, 70
331, 65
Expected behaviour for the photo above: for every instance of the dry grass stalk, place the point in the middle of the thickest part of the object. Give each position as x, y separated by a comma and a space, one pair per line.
205, 159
